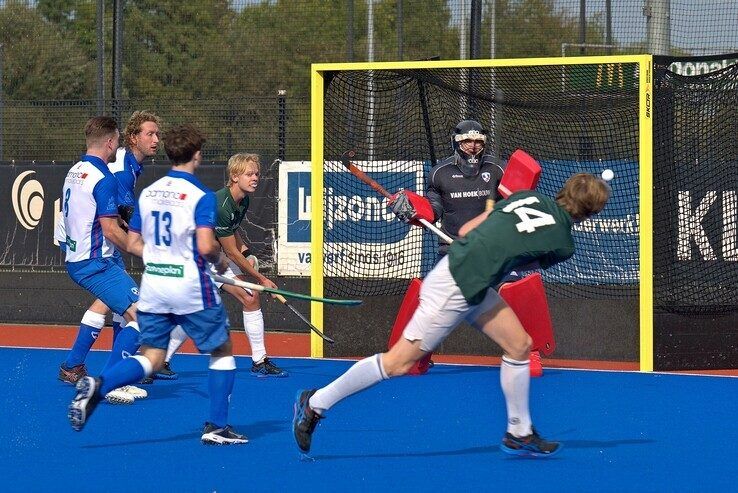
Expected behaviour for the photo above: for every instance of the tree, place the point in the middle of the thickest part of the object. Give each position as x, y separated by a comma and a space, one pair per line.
39, 61
173, 48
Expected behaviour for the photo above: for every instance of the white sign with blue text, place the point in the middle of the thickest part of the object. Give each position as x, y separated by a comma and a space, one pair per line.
362, 237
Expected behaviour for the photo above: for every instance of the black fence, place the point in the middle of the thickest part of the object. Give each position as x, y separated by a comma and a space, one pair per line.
31, 199
227, 65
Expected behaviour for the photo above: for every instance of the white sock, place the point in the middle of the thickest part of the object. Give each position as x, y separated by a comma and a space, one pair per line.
176, 338
145, 364
253, 324
96, 320
515, 382
362, 375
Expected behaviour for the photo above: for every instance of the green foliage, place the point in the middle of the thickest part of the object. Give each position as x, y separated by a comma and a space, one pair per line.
39, 60
173, 49
537, 28
426, 30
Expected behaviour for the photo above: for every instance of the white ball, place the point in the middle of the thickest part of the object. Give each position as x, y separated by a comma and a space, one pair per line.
608, 174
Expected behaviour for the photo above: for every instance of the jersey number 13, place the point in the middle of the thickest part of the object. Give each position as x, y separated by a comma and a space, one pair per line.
162, 228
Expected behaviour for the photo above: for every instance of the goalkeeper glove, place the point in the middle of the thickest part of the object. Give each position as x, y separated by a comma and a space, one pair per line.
410, 207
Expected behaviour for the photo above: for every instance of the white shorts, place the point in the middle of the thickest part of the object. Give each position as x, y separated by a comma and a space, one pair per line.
231, 272
442, 308
234, 270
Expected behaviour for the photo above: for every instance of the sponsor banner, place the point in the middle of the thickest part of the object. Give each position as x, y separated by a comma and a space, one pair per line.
30, 200
362, 236
607, 245
30, 196
699, 68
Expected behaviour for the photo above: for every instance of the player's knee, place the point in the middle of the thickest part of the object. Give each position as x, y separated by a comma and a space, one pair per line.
225, 349
520, 347
250, 303
130, 313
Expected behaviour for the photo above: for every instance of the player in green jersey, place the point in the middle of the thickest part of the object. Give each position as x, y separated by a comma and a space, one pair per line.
242, 178
526, 230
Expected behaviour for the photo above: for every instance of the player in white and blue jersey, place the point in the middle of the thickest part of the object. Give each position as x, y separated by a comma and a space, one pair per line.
90, 212
141, 141
172, 229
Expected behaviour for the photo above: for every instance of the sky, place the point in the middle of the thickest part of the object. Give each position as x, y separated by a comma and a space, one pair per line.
698, 26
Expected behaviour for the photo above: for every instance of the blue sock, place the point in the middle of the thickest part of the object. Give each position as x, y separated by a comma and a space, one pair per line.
125, 345
89, 329
116, 329
125, 372
220, 384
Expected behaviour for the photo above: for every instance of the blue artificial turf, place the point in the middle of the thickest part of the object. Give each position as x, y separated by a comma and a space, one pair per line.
438, 432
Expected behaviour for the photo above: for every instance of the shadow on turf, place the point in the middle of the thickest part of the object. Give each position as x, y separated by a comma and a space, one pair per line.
568, 444
173, 389
253, 431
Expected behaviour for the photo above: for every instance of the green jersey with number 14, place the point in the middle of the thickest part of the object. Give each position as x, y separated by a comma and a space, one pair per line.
526, 227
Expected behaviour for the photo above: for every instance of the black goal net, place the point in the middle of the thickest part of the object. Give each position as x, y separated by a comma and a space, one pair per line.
571, 118
696, 187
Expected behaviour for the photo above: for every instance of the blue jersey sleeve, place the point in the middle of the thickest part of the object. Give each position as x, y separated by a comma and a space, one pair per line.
205, 211
106, 196
126, 185
135, 222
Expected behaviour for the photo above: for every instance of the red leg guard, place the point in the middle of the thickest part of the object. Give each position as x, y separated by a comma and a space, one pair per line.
527, 298
409, 303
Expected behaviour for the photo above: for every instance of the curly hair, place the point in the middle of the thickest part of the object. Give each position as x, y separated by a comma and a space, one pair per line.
137, 119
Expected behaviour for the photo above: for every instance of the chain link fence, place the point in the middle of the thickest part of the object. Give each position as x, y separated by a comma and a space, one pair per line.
229, 65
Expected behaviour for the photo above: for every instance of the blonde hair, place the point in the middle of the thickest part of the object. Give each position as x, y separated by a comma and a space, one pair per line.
137, 119
583, 195
239, 163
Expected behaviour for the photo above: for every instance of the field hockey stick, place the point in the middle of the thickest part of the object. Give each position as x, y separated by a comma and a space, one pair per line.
302, 317
358, 173
287, 294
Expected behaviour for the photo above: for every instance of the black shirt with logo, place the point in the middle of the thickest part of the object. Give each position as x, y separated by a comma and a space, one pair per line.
456, 198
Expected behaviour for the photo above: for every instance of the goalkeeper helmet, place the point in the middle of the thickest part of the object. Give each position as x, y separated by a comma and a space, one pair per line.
468, 163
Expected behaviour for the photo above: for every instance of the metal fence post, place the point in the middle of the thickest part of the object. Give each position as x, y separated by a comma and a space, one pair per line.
2, 105
399, 30
475, 44
117, 59
100, 57
350, 30
582, 26
282, 124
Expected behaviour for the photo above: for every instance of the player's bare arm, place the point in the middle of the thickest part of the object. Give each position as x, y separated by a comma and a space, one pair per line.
473, 223
135, 244
209, 248
233, 246
113, 232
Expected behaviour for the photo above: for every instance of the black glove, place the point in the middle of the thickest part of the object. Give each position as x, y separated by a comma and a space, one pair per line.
125, 212
401, 207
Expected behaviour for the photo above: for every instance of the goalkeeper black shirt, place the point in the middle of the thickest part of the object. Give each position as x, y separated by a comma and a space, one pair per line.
456, 198
526, 227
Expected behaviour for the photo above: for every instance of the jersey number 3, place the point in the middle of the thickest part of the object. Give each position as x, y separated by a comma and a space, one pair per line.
162, 228
530, 218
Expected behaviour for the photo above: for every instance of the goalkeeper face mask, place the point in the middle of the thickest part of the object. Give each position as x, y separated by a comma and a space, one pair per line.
468, 141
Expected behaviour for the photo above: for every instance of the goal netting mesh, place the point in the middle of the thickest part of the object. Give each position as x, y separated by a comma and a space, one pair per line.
696, 189
571, 118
